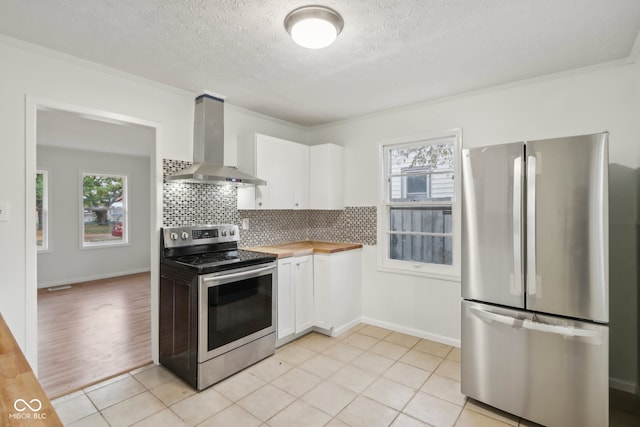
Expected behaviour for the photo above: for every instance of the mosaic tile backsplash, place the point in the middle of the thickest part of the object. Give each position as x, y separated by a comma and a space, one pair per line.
191, 204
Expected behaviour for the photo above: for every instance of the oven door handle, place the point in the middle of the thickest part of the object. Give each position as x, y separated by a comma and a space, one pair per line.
234, 275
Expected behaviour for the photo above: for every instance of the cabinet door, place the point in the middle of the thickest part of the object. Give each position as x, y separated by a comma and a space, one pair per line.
346, 300
300, 176
265, 156
281, 191
326, 177
336, 290
303, 283
273, 165
286, 301
322, 290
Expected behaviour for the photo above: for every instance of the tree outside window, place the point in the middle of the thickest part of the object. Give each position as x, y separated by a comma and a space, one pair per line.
104, 205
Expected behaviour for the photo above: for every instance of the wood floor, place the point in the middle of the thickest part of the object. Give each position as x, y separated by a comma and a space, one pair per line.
93, 331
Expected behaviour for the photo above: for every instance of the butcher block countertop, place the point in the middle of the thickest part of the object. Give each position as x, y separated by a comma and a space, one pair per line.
308, 247
22, 399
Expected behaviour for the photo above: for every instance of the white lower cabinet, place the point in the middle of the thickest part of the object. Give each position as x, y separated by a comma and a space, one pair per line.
295, 295
303, 292
320, 291
286, 303
337, 290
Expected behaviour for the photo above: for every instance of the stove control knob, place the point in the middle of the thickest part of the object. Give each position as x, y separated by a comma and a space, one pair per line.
232, 232
185, 235
173, 236
224, 232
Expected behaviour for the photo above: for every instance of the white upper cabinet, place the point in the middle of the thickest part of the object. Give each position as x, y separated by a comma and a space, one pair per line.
283, 164
326, 177
278, 193
298, 176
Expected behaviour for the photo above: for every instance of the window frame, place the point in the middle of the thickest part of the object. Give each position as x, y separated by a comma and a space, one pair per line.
416, 172
413, 268
46, 216
125, 206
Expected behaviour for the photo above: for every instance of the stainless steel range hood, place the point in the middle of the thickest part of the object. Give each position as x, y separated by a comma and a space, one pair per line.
208, 149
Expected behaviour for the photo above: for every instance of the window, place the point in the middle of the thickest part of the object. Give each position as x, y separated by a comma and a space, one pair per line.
417, 183
104, 210
419, 218
42, 210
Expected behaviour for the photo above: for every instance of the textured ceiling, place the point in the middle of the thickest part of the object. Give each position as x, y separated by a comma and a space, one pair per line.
391, 52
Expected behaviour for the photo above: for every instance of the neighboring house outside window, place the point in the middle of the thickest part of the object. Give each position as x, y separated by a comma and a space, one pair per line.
42, 210
104, 210
419, 216
417, 183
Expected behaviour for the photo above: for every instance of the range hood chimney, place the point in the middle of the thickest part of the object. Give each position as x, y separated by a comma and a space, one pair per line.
208, 149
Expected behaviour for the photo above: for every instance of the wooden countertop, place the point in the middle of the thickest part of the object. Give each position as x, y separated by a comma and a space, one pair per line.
308, 247
23, 402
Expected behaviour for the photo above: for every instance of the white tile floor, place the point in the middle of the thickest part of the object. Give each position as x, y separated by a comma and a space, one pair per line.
367, 377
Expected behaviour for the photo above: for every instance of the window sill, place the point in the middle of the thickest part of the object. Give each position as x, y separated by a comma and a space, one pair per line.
419, 271
105, 245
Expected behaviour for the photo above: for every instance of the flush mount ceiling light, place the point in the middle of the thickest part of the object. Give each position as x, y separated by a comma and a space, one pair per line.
313, 27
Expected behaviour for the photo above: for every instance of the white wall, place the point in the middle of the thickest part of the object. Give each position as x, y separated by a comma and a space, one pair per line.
572, 104
32, 71
589, 102
65, 261
84, 132
38, 73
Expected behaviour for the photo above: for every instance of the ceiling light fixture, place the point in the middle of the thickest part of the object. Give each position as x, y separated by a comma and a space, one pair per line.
313, 27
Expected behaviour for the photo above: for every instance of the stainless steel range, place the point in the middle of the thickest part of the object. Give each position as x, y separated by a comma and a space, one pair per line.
217, 303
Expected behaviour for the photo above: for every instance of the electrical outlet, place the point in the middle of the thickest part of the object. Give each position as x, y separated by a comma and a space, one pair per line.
4, 211
245, 223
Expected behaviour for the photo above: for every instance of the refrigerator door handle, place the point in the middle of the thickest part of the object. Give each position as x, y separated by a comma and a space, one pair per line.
531, 225
493, 317
567, 331
517, 227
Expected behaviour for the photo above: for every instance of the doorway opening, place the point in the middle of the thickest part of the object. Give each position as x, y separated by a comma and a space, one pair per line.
93, 252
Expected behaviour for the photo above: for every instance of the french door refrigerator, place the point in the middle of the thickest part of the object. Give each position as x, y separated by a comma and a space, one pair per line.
535, 308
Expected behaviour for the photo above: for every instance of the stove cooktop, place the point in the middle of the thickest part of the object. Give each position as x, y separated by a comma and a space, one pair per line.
207, 248
211, 262
209, 258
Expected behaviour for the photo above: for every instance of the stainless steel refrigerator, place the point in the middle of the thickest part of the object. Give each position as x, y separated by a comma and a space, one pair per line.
535, 308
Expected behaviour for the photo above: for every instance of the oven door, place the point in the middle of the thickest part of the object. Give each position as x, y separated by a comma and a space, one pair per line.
235, 307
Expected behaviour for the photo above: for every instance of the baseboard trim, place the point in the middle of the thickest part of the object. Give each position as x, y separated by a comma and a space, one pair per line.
411, 331
344, 328
91, 278
623, 385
